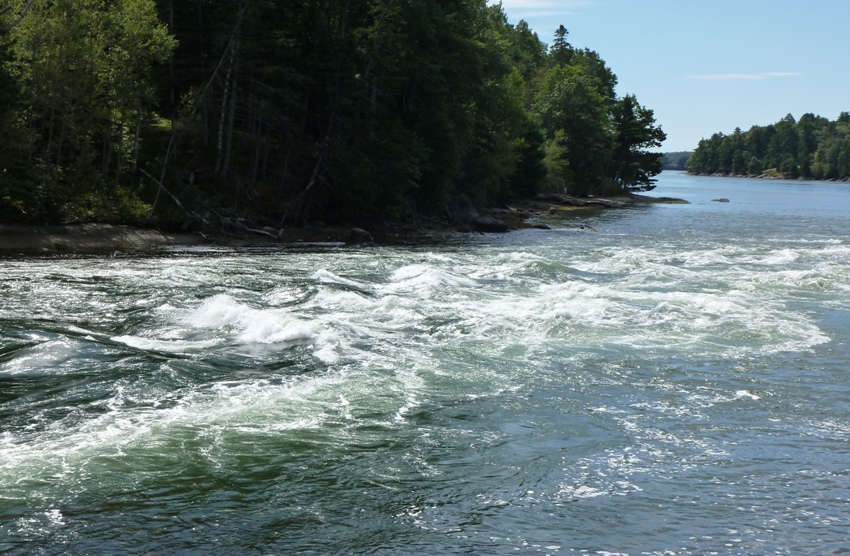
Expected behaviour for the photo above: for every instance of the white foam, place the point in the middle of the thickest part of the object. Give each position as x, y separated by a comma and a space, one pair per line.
217, 311
328, 348
264, 327
169, 346
740, 394
607, 311
204, 419
326, 277
250, 325
580, 491
421, 279
403, 331
781, 257
340, 300
53, 356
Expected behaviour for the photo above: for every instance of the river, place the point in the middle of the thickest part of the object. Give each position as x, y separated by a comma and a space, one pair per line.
674, 383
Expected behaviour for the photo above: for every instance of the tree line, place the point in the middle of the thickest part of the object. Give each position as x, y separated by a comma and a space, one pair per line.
813, 148
676, 160
123, 110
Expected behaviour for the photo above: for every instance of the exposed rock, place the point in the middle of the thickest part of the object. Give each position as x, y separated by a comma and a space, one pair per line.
461, 210
276, 233
231, 224
360, 235
721, 200
489, 224
263, 232
609, 203
566, 200
86, 238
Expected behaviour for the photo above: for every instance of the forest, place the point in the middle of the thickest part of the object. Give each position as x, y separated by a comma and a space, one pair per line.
812, 147
676, 160
142, 111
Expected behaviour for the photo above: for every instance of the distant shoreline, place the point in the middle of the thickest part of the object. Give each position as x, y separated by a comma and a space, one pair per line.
760, 177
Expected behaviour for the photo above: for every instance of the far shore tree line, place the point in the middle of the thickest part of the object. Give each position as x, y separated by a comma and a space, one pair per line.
676, 160
812, 147
333, 110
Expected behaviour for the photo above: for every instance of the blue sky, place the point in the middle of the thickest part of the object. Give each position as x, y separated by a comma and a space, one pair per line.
706, 66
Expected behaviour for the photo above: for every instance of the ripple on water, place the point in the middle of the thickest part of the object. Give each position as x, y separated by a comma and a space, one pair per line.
658, 388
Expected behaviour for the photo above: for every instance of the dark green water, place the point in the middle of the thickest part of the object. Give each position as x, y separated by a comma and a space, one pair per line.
676, 383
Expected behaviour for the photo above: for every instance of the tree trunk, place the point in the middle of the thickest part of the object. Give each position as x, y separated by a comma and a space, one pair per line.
136, 144
19, 18
219, 145
232, 110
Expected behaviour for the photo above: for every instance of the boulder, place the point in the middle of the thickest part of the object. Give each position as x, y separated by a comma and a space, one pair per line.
488, 224
461, 210
359, 235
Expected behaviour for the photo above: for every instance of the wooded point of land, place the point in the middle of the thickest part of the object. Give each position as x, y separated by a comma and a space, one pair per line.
288, 112
813, 148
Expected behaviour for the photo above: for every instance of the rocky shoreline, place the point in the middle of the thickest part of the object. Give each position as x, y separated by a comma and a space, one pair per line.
110, 239
20, 239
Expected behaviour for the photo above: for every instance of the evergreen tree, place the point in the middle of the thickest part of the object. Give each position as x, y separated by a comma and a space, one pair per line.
808, 148
339, 110
632, 166
561, 51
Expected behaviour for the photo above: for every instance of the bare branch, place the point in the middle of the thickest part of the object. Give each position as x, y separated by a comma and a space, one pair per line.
20, 17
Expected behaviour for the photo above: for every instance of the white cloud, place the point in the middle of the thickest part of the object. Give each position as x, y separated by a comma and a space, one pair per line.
541, 4
522, 9
743, 76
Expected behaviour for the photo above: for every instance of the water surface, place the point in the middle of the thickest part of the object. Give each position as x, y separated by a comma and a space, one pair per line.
676, 383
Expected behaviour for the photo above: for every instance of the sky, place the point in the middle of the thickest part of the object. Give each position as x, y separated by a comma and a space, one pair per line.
708, 66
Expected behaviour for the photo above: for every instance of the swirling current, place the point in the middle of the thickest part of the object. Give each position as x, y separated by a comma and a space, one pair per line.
674, 383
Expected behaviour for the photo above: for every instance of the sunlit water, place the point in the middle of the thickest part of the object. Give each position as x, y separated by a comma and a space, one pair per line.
675, 383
